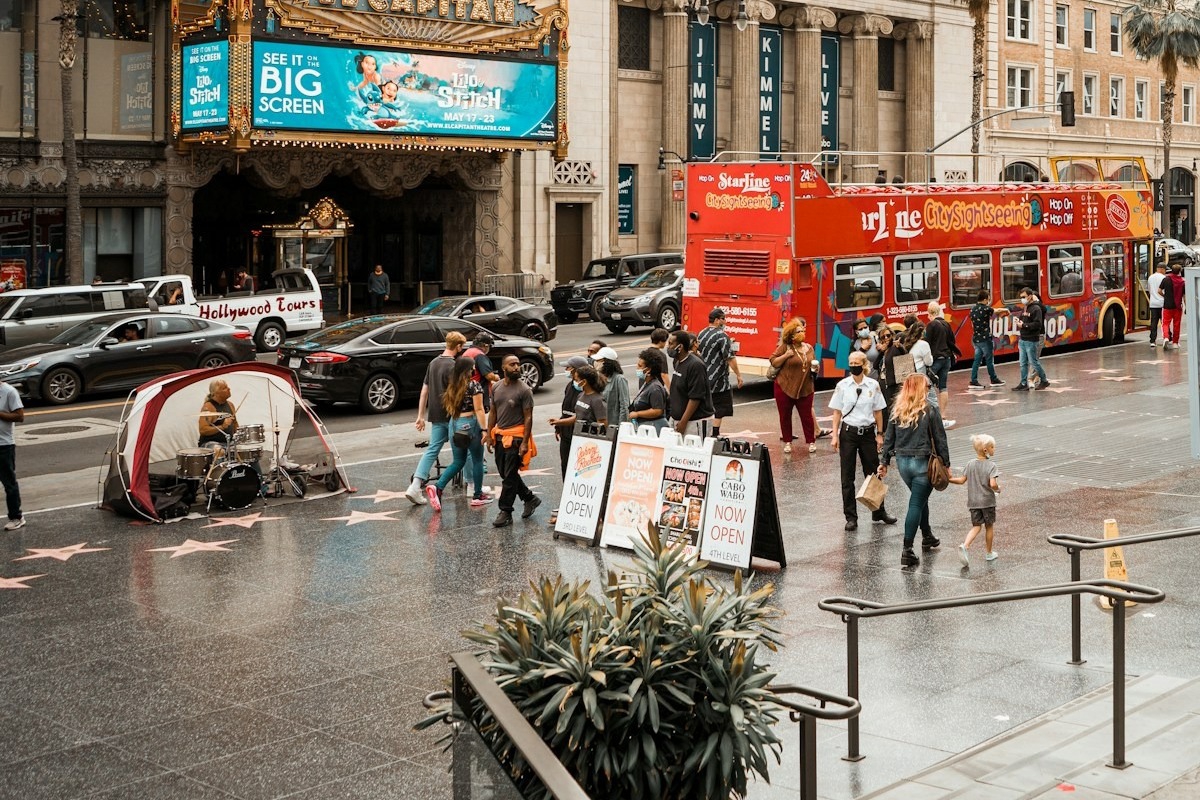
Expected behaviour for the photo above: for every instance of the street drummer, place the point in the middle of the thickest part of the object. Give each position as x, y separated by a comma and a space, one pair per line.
218, 418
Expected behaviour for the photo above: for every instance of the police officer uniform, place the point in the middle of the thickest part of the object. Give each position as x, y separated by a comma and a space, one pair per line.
860, 406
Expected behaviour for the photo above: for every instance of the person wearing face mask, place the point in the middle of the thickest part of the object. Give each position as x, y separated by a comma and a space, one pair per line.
1033, 326
864, 341
795, 382
650, 405
616, 388
857, 406
564, 424
511, 424
691, 400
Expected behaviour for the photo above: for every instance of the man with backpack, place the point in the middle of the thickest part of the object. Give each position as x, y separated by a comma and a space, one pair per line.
1033, 327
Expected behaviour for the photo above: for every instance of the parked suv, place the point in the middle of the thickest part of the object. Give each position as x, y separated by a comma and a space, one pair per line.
601, 277
653, 299
35, 316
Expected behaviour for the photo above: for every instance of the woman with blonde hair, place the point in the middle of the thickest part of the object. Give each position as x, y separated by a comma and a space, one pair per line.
915, 432
795, 362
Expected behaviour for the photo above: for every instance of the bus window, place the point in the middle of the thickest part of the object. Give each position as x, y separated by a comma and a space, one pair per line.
1018, 269
1108, 267
916, 279
1066, 270
969, 272
859, 283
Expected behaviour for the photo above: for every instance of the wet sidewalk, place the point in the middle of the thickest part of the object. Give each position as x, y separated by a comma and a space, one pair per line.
262, 656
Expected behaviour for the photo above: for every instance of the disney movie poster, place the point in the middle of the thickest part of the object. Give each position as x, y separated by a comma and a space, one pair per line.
315, 88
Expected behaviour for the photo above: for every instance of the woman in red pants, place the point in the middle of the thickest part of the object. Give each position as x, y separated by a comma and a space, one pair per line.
795, 361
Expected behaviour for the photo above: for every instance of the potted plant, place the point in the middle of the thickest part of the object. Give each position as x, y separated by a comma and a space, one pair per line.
651, 690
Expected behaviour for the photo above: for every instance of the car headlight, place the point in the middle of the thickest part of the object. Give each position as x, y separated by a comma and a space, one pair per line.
577, 293
20, 366
546, 351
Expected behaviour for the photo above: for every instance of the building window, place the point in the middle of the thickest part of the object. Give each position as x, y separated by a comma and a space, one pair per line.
120, 69
1089, 94
1140, 91
18, 32
633, 38
1020, 19
1061, 31
1062, 83
1189, 104
121, 244
1089, 29
1114, 34
1020, 87
1116, 97
887, 64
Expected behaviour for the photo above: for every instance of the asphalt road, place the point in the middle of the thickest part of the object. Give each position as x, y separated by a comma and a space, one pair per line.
61, 449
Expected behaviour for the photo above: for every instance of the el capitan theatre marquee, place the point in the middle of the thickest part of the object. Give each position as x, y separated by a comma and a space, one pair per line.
420, 74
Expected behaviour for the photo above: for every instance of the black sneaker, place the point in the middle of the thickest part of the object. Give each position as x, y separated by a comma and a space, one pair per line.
1021, 387
997, 382
1042, 385
974, 385
531, 505
502, 520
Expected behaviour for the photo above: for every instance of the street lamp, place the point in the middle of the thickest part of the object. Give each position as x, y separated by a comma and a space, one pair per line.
742, 19
662, 158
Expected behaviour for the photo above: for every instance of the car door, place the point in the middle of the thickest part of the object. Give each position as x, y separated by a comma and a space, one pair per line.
175, 344
492, 314
36, 321
126, 364
407, 348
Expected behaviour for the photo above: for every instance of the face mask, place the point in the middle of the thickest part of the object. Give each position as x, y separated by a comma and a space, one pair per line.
577, 385
856, 369
641, 373
864, 334
676, 351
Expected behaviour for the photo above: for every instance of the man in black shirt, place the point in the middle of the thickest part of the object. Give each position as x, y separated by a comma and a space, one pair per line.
1033, 326
511, 425
981, 339
691, 400
564, 423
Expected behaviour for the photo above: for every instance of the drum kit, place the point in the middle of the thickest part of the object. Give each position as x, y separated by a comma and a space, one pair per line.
230, 475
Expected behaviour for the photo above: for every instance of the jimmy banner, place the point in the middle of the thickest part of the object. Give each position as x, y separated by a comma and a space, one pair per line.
204, 100
342, 89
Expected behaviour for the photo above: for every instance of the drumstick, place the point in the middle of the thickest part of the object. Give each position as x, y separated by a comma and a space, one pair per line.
238, 407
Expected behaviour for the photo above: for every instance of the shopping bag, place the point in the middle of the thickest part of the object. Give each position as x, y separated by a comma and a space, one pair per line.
872, 492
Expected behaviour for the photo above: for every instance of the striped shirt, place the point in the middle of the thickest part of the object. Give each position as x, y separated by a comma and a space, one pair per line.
716, 348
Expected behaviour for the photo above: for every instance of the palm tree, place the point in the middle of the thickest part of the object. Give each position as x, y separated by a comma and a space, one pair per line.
67, 40
1156, 29
978, 10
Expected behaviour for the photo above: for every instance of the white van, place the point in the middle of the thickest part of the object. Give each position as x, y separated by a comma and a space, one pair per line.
35, 316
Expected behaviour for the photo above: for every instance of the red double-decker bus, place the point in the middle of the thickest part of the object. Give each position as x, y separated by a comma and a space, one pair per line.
769, 241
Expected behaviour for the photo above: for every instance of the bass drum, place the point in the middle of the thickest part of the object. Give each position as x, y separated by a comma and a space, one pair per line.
233, 486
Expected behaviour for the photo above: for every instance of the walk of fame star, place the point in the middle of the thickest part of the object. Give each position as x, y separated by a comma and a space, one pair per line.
746, 434
358, 517
192, 546
60, 553
1060, 389
245, 521
1118, 378
18, 583
381, 496
977, 393
1099, 371
997, 402
1159, 362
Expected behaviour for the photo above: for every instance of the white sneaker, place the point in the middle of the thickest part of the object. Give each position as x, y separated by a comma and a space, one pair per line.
1152, 344
949, 423
992, 555
787, 448
13, 524
416, 494
962, 555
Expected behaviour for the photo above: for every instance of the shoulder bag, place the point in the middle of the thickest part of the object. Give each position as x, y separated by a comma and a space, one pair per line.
903, 365
939, 473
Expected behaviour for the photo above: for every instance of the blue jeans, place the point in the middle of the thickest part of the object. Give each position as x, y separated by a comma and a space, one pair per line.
914, 471
1029, 357
475, 448
439, 434
985, 353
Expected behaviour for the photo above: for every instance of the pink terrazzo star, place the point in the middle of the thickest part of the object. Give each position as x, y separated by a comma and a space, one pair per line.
60, 553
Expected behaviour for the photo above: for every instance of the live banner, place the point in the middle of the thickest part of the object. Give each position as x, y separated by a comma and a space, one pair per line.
585, 483
637, 471
741, 518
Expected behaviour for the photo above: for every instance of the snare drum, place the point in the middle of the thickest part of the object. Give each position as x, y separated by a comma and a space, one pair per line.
251, 434
193, 463
233, 486
247, 453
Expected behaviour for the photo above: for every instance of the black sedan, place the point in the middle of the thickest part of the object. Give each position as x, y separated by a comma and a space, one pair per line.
498, 314
375, 361
119, 352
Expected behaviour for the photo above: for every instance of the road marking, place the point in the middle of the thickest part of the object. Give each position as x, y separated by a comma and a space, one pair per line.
65, 409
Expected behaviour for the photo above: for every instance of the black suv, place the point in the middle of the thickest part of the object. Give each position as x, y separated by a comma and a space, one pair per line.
601, 277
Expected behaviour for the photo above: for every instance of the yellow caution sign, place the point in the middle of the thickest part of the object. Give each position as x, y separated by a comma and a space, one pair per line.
1114, 561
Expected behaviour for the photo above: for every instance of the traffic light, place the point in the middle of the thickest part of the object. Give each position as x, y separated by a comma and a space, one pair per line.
1066, 109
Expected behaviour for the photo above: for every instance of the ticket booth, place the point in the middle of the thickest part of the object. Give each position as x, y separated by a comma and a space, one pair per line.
318, 240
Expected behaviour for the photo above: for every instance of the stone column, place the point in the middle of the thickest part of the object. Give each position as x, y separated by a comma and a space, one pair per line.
806, 72
674, 117
614, 134
744, 120
918, 95
866, 29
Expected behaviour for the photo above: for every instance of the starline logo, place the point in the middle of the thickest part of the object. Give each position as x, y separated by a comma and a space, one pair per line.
749, 183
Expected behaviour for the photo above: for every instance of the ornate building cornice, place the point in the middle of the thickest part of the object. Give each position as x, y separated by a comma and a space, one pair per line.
808, 18
865, 25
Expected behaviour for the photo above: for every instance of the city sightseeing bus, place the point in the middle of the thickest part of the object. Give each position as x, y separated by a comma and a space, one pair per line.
769, 241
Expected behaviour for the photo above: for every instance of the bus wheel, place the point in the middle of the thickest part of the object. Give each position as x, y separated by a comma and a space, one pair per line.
1112, 328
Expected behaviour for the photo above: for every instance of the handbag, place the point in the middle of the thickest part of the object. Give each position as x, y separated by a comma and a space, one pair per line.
903, 365
939, 473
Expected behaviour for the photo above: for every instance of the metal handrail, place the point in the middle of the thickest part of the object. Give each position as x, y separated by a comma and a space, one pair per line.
469, 674
807, 715
852, 609
1075, 544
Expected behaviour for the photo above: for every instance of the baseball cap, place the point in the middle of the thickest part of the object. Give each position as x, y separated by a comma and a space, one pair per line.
605, 354
574, 362
484, 338
716, 314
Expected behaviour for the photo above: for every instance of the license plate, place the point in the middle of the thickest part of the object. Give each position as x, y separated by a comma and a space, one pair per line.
616, 316
293, 363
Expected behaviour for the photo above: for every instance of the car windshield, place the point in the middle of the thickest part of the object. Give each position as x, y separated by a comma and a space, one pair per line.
5, 304
657, 278
345, 331
83, 332
602, 268
442, 306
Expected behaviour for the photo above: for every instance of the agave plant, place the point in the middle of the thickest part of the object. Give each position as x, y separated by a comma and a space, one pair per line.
652, 690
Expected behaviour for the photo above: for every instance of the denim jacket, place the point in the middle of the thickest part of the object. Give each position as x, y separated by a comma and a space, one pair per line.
914, 440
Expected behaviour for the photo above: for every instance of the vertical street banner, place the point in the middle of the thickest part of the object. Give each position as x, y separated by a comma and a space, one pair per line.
637, 470
702, 90
831, 77
732, 507
28, 90
770, 92
685, 480
626, 199
204, 101
135, 100
583, 489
